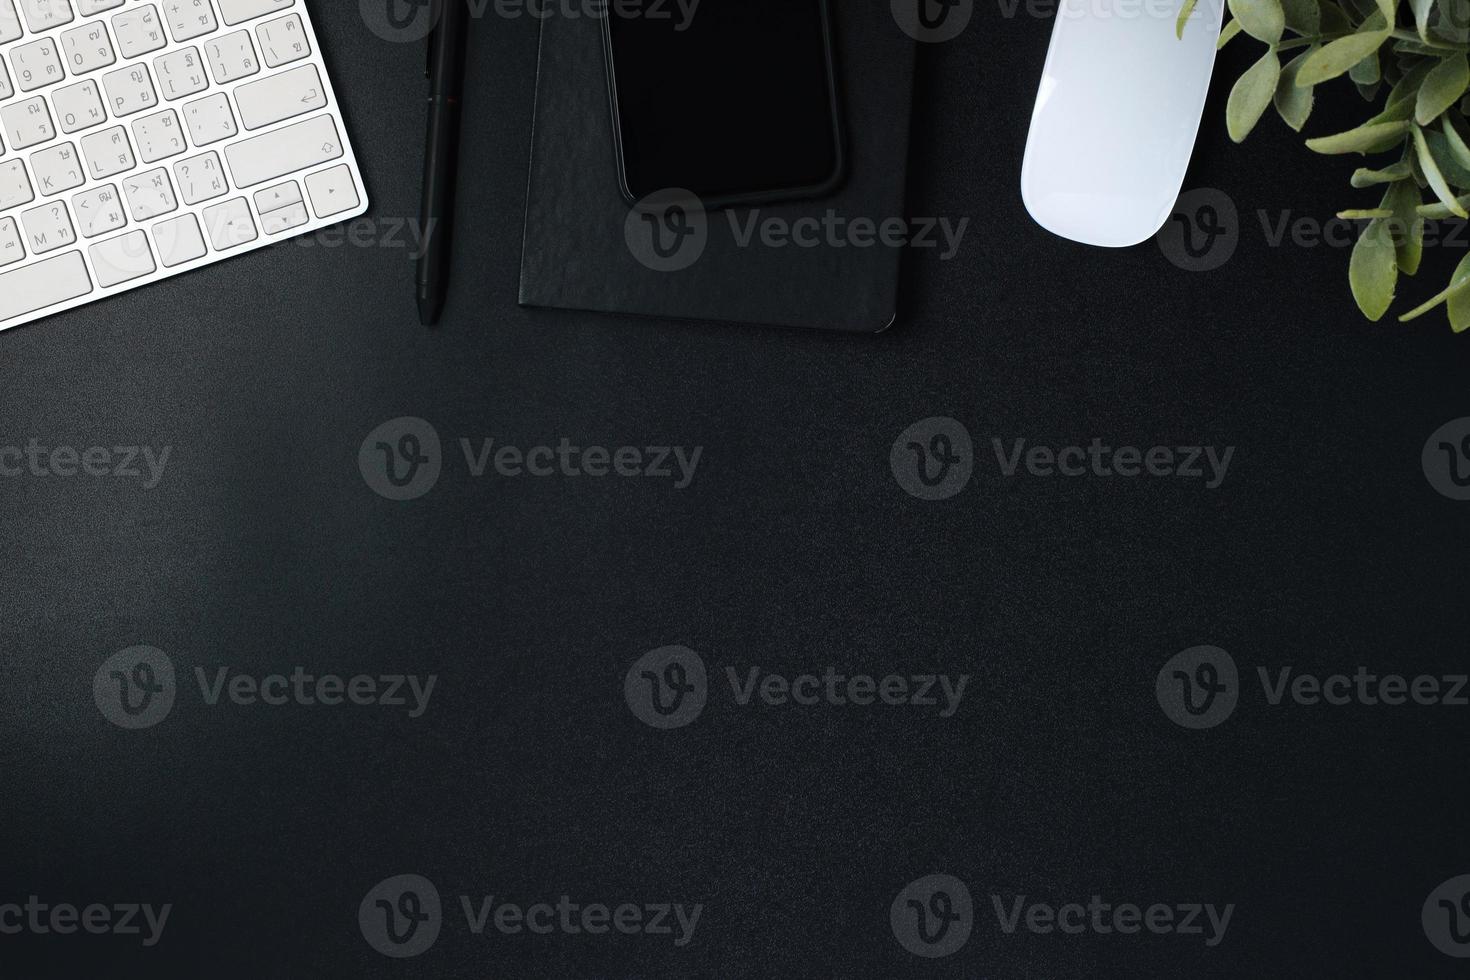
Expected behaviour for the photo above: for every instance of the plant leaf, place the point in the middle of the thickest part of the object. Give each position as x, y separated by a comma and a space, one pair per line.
1435, 178
1449, 168
1263, 20
1442, 88
1458, 303
1339, 56
1363, 177
1458, 281
1421, 10
1456, 143
1185, 13
1367, 138
1407, 226
1373, 270
1293, 101
1251, 95
1302, 16
1367, 71
1231, 29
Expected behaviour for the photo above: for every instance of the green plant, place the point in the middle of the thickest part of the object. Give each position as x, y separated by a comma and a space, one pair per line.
1423, 67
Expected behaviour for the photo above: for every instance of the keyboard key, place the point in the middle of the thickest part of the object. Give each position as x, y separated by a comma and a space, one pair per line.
284, 219
129, 90
270, 100
210, 119
238, 11
108, 153
180, 73
35, 287
15, 186
284, 151
188, 19
231, 57
87, 48
150, 194
42, 15
179, 240
138, 31
79, 106
10, 29
12, 250
57, 169
201, 178
122, 259
159, 136
36, 64
283, 41
230, 224
27, 123
48, 228
279, 196
98, 211
332, 192
90, 8
6, 89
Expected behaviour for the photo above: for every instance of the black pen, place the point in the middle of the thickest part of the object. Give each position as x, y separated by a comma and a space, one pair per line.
441, 153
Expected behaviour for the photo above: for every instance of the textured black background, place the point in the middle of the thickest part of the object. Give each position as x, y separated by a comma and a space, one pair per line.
529, 778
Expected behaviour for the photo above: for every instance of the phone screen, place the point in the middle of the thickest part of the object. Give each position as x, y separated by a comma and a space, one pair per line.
731, 99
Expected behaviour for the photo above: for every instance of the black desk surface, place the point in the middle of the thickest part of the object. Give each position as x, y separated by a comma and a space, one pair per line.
528, 778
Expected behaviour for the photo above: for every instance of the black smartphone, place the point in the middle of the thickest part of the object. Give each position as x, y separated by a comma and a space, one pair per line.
734, 100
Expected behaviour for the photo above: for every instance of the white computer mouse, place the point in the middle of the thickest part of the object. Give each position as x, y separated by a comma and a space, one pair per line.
1116, 117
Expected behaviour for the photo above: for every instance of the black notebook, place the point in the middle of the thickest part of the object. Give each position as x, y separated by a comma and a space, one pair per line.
792, 264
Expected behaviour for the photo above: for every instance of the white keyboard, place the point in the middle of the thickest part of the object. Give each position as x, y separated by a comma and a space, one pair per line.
144, 138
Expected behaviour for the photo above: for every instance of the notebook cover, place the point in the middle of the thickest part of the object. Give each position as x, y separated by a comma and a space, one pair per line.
577, 256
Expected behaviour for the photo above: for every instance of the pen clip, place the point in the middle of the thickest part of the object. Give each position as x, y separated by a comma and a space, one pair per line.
436, 11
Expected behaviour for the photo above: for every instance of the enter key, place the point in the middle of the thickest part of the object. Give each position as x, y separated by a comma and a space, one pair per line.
283, 96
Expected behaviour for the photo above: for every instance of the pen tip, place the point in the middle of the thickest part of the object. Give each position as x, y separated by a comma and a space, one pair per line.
430, 307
